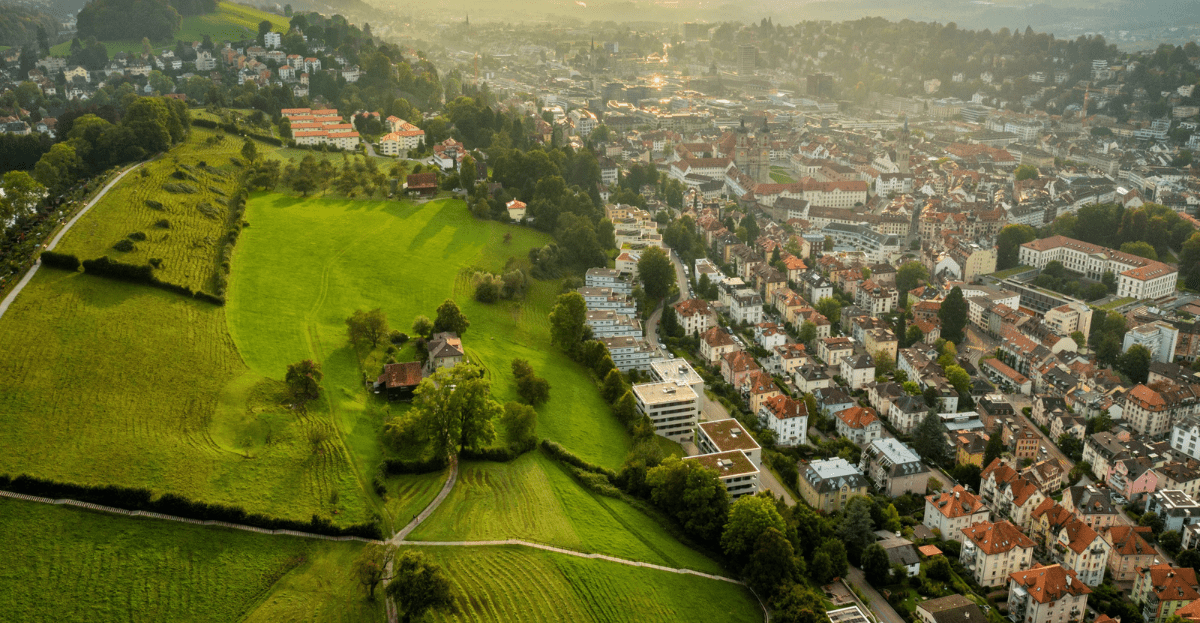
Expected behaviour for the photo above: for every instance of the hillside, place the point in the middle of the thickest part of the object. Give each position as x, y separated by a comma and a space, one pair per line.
230, 21
19, 25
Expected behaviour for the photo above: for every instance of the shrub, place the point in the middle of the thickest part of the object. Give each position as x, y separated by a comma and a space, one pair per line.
154, 205
124, 245
180, 188
208, 210
65, 261
415, 466
217, 191
397, 338
156, 262
162, 223
137, 235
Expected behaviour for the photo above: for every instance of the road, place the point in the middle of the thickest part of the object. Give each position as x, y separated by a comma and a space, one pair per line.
878, 605
682, 282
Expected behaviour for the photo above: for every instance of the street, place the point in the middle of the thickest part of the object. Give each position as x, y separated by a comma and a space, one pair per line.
883, 611
681, 282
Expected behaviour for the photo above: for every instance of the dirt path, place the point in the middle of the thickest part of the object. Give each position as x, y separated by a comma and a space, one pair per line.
12, 296
416, 521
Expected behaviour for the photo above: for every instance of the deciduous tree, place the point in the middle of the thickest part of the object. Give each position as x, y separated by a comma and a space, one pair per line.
749, 517
532, 388
418, 586
371, 566
875, 564
953, 315
656, 272
367, 326
929, 440
450, 318
1008, 244
304, 380
568, 321
455, 409
692, 494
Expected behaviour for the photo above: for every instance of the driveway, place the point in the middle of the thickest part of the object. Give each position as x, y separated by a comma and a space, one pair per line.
878, 605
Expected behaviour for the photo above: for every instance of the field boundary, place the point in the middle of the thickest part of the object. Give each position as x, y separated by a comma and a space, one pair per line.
12, 296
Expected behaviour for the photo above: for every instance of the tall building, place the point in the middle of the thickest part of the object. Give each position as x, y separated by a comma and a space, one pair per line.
819, 84
747, 59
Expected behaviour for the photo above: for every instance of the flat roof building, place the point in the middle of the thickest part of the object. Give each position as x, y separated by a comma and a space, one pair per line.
673, 408
728, 435
735, 470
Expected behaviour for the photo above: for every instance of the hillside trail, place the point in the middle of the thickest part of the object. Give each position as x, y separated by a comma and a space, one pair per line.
12, 296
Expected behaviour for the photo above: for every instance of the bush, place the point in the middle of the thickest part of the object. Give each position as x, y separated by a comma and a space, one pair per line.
561, 454
154, 205
415, 466
65, 261
141, 499
180, 188
162, 223
156, 262
143, 273
208, 210
124, 245
137, 235
398, 338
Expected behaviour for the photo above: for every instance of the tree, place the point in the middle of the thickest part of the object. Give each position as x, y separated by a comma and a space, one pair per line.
1071, 446
370, 326
875, 564
953, 315
830, 308
1141, 249
613, 387
568, 321
1026, 172
994, 448
487, 291
371, 566
929, 440
959, 379
856, 530
520, 423
454, 408
913, 335
1079, 339
808, 332
839, 564
1153, 521
799, 604
1135, 363
772, 565
21, 195
749, 517
304, 380
450, 318
884, 364
692, 494
531, 388
1008, 244
939, 569
249, 150
422, 326
657, 273
626, 408
968, 474
909, 276
418, 586
466, 173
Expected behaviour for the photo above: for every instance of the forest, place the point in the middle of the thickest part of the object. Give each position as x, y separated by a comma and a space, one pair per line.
21, 26
110, 20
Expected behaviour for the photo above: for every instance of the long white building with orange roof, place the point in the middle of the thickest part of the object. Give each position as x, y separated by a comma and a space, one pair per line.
1137, 277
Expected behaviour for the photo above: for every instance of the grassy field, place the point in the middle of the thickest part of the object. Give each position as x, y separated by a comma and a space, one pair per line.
343, 255
191, 246
106, 382
230, 21
780, 175
534, 499
512, 584
61, 564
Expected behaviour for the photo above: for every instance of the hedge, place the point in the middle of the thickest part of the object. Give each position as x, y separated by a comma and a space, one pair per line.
556, 451
65, 261
415, 466
498, 454
141, 499
143, 273
232, 128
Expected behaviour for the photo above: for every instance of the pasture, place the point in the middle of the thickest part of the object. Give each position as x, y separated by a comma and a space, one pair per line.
104, 382
230, 21
516, 584
535, 499
64, 564
306, 264
184, 230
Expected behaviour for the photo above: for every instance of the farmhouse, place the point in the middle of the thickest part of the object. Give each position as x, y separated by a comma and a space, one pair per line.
423, 184
399, 380
445, 351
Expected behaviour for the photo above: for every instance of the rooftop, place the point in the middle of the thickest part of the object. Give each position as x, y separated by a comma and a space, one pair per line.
728, 435
663, 392
727, 464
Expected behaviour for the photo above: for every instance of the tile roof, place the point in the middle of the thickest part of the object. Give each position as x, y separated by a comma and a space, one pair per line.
998, 537
1126, 541
784, 407
857, 417
406, 374
1049, 584
956, 503
1172, 583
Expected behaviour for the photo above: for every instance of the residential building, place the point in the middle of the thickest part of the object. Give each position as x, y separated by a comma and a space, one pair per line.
399, 380
758, 387
1162, 589
1092, 505
949, 609
787, 418
629, 353
679, 371
746, 306
715, 343
673, 408
694, 316
992, 551
1157, 337
828, 484
736, 366
1185, 432
832, 350
858, 370
445, 351
734, 469
1149, 411
728, 435
1081, 549
1127, 551
858, 424
894, 468
608, 323
609, 278
906, 413
949, 512
810, 378
1176, 509
1069, 318
1179, 475
1051, 594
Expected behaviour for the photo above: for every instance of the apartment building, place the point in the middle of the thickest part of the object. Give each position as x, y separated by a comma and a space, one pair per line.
993, 551
1137, 277
787, 418
1162, 589
673, 408
1051, 594
894, 468
734, 469
828, 484
1128, 550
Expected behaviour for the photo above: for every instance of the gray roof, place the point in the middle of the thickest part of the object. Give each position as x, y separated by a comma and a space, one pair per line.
832, 474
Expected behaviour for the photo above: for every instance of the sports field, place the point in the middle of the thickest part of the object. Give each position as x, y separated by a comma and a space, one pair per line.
183, 229
534, 499
105, 382
306, 264
514, 584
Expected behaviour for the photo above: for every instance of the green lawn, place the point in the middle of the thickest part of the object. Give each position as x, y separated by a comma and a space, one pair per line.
229, 22
514, 584
534, 499
190, 246
105, 382
305, 265
1009, 272
780, 175
1117, 303
63, 564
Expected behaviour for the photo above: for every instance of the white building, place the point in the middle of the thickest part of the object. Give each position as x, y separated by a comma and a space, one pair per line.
273, 40
1185, 432
1158, 337
949, 512
746, 306
787, 418
674, 408
608, 323
629, 353
1046, 595
734, 469
728, 435
610, 278
858, 370
1137, 277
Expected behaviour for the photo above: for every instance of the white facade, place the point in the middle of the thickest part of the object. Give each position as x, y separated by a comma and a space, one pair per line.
674, 408
1137, 277
1158, 337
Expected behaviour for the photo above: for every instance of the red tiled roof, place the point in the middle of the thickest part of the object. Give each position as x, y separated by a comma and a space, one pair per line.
997, 538
955, 503
406, 374
857, 417
1049, 584
1172, 583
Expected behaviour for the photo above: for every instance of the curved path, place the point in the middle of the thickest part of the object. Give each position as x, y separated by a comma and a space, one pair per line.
12, 296
412, 525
